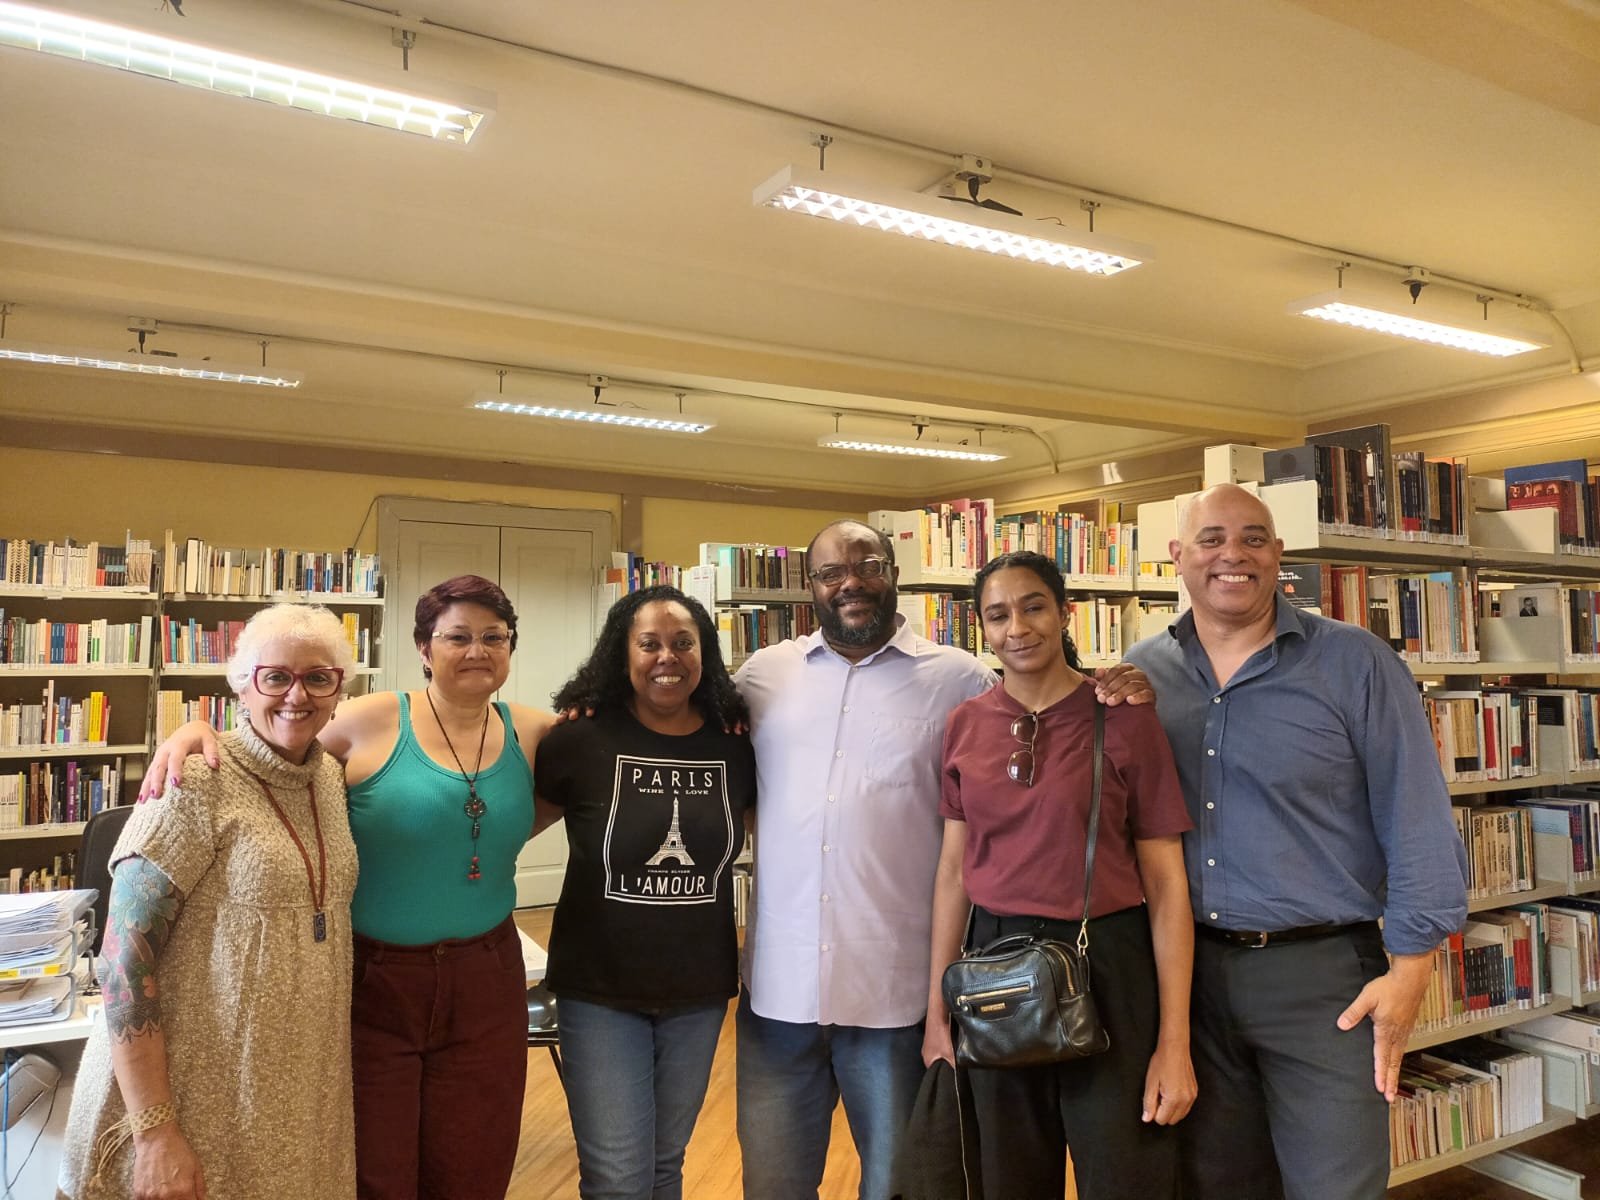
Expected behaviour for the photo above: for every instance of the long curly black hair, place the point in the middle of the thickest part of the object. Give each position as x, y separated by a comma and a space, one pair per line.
602, 682
1049, 574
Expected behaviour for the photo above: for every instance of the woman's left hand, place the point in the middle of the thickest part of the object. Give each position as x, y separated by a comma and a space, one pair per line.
1169, 1085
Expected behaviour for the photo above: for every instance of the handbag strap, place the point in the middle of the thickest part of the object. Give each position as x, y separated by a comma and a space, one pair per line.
1098, 768
1094, 821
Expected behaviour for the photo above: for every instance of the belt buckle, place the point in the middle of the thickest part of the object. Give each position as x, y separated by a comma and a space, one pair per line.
1261, 940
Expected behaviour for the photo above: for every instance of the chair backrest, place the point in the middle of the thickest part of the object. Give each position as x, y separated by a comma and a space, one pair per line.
94, 860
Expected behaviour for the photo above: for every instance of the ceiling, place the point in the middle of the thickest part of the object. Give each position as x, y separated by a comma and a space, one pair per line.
601, 222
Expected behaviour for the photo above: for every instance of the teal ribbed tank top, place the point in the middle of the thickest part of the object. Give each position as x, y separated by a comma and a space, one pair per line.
415, 842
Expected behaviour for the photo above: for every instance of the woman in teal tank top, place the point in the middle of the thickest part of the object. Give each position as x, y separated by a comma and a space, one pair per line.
441, 803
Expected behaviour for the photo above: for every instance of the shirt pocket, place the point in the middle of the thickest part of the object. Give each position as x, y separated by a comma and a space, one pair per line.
903, 752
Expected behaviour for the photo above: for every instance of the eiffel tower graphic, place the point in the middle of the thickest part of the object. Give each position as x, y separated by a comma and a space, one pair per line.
672, 847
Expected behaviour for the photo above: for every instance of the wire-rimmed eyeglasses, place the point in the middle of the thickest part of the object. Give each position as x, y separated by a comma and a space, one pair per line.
835, 573
1020, 765
318, 682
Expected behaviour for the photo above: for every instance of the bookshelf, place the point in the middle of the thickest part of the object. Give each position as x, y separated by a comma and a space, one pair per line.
83, 664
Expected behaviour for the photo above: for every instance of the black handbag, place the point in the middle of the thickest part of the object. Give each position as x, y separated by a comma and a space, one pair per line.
1024, 1000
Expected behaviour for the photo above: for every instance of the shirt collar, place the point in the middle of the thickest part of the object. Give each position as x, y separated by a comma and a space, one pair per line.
901, 640
1290, 622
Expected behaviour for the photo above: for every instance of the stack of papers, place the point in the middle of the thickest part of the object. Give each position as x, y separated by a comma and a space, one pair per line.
41, 936
47, 998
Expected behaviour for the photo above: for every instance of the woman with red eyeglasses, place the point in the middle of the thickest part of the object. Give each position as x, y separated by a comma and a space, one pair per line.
229, 923
1016, 798
441, 802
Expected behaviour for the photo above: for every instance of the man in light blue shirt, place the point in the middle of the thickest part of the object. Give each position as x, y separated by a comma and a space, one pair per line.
1319, 806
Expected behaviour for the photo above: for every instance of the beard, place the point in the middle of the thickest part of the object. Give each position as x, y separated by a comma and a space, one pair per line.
877, 628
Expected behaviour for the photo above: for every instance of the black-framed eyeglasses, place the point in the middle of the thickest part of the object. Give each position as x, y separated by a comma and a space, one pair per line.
835, 573
319, 682
1020, 765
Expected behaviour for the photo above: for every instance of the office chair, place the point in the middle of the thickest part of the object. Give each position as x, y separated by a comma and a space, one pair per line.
542, 1025
94, 860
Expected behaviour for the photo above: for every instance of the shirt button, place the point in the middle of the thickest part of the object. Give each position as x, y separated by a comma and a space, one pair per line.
838, 753
1211, 862
1216, 699
1211, 753
824, 897
1209, 803
826, 848
830, 797
1213, 916
846, 708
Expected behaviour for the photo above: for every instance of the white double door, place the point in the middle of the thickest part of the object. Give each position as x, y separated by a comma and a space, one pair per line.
546, 560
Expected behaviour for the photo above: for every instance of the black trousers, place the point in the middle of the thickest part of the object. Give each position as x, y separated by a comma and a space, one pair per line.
1028, 1117
1286, 1106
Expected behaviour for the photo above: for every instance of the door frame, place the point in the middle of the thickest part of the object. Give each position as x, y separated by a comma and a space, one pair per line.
393, 510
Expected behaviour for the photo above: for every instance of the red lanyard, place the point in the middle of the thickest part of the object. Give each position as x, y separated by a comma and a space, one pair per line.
319, 892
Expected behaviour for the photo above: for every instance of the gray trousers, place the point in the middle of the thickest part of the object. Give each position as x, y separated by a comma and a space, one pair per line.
1286, 1109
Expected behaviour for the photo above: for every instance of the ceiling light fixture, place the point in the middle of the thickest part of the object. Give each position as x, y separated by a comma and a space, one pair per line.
78, 38
912, 214
1343, 307
591, 412
28, 355
876, 445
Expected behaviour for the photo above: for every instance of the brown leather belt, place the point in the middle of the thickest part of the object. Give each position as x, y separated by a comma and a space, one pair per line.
1259, 939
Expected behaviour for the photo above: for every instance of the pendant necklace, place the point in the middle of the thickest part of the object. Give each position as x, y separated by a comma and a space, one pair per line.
474, 807
319, 891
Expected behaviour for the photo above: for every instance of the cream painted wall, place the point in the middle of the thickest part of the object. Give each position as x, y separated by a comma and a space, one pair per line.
672, 530
51, 494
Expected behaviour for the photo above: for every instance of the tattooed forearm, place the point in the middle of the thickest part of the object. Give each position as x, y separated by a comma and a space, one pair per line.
144, 905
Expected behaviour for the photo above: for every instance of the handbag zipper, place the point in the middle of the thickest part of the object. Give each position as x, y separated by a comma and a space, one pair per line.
1066, 969
993, 994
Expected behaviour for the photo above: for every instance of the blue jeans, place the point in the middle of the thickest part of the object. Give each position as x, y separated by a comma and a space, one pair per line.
635, 1083
790, 1078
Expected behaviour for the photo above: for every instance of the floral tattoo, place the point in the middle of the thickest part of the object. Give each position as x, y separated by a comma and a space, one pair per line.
144, 904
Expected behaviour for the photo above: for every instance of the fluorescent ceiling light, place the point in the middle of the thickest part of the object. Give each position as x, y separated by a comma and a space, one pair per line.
1343, 307
840, 441
216, 70
826, 194
146, 364
589, 413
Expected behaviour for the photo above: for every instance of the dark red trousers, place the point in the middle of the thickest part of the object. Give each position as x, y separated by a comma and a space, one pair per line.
439, 1041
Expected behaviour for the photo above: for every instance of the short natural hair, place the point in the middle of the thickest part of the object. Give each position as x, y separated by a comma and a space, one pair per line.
463, 589
309, 624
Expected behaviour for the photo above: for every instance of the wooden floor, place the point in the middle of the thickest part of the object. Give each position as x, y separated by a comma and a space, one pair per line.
547, 1165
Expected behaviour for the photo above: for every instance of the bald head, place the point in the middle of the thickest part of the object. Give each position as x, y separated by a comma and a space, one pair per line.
1190, 516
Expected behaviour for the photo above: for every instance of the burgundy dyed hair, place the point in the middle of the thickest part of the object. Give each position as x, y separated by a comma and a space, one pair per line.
463, 589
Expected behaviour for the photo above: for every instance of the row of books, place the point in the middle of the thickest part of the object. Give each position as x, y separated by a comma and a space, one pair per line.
743, 629
70, 564
1566, 486
1571, 814
53, 791
944, 619
60, 874
25, 641
174, 709
1462, 1095
755, 567
194, 567
56, 721
1500, 848
1497, 964
1076, 543
1426, 616
185, 641
958, 535
1485, 735
1365, 489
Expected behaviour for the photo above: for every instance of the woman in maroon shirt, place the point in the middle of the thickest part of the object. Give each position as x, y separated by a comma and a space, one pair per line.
1016, 793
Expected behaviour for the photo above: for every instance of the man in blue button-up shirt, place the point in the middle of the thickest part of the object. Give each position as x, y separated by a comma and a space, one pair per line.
1319, 807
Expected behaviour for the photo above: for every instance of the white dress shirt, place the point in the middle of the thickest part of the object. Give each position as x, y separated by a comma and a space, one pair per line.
847, 825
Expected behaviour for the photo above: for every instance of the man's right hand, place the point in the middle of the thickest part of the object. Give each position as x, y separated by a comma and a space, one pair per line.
166, 764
